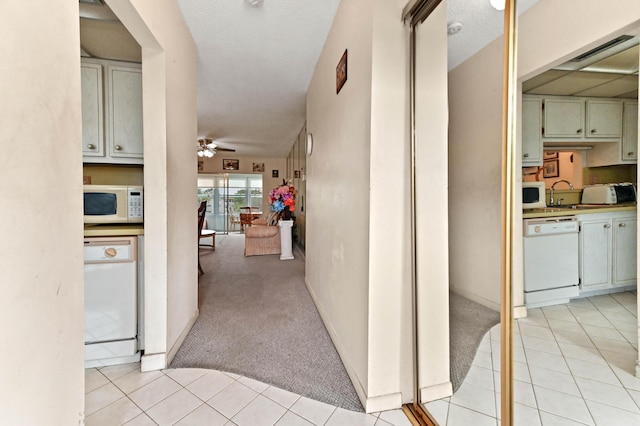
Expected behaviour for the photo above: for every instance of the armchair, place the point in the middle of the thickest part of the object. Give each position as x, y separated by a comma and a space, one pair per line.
261, 238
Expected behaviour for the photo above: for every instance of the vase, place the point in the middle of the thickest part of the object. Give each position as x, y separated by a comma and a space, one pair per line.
286, 214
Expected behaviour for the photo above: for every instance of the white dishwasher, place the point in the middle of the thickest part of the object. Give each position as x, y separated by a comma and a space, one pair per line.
550, 261
110, 301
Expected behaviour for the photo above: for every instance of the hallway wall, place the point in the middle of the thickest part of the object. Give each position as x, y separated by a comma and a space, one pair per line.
169, 63
41, 254
358, 244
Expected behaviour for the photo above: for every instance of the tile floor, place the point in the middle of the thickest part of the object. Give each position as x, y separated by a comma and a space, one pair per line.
574, 364
121, 395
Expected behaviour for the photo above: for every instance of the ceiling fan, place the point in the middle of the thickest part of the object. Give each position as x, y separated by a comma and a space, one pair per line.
207, 148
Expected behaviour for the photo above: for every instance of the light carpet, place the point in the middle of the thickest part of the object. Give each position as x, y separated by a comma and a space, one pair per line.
258, 320
469, 322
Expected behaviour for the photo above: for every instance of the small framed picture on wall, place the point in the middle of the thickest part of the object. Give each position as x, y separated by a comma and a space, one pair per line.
230, 164
551, 169
274, 173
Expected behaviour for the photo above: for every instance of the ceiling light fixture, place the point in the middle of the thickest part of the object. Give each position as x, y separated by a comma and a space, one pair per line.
206, 149
255, 3
497, 4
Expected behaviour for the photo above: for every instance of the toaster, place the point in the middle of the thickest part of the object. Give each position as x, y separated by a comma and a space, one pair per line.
609, 193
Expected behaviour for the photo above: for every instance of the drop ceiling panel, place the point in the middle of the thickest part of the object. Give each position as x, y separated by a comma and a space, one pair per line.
542, 79
625, 62
574, 83
613, 88
629, 95
108, 40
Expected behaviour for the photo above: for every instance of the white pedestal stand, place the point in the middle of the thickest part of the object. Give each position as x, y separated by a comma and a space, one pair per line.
286, 251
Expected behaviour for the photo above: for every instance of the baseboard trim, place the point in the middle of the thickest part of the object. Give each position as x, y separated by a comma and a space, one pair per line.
153, 362
431, 393
383, 402
174, 349
519, 312
479, 299
360, 390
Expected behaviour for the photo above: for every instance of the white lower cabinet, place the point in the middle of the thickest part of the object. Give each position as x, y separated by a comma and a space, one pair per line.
595, 254
624, 251
607, 250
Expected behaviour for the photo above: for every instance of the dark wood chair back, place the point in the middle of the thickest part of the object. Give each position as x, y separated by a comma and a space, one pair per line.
202, 210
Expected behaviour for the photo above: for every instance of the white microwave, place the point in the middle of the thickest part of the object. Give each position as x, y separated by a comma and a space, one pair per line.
533, 195
113, 204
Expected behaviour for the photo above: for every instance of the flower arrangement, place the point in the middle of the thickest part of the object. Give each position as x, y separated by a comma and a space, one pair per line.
283, 199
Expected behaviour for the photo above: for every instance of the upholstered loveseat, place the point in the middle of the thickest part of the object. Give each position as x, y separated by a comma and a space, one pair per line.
262, 238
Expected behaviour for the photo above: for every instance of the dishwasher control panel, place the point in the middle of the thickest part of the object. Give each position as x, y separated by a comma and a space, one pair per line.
106, 250
559, 225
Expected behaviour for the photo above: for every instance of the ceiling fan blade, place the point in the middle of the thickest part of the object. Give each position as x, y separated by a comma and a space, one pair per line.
225, 149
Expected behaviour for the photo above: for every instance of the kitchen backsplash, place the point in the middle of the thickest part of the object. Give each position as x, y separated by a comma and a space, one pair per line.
610, 174
112, 174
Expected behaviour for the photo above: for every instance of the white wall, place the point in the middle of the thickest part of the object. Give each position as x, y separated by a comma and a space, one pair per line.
549, 33
169, 65
390, 351
357, 241
432, 225
337, 247
41, 255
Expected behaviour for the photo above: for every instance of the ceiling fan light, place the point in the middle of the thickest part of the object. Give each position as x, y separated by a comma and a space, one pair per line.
211, 145
208, 154
497, 4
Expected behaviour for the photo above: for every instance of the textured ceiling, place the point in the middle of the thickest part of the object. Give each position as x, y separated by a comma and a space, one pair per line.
254, 68
481, 24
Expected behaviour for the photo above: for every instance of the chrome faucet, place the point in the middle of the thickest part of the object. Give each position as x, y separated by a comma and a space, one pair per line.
551, 200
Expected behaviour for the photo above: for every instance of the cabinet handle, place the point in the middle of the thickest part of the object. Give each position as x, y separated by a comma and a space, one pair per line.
526, 154
91, 146
593, 131
622, 225
606, 225
118, 148
579, 131
630, 153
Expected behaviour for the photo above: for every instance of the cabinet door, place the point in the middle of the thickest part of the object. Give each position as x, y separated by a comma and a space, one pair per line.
604, 119
125, 107
624, 252
563, 118
531, 132
92, 111
595, 254
630, 131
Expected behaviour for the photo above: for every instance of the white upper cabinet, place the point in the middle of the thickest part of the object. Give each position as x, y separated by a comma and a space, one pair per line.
125, 112
531, 132
563, 118
111, 124
604, 119
630, 131
92, 110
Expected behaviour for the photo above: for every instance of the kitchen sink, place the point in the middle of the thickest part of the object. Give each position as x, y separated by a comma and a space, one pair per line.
581, 206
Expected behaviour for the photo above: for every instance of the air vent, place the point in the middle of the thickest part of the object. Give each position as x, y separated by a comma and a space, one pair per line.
601, 48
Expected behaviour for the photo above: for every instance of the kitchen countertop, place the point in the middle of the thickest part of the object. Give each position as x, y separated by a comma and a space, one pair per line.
113, 230
568, 211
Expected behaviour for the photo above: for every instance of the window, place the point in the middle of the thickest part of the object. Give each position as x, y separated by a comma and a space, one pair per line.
226, 194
